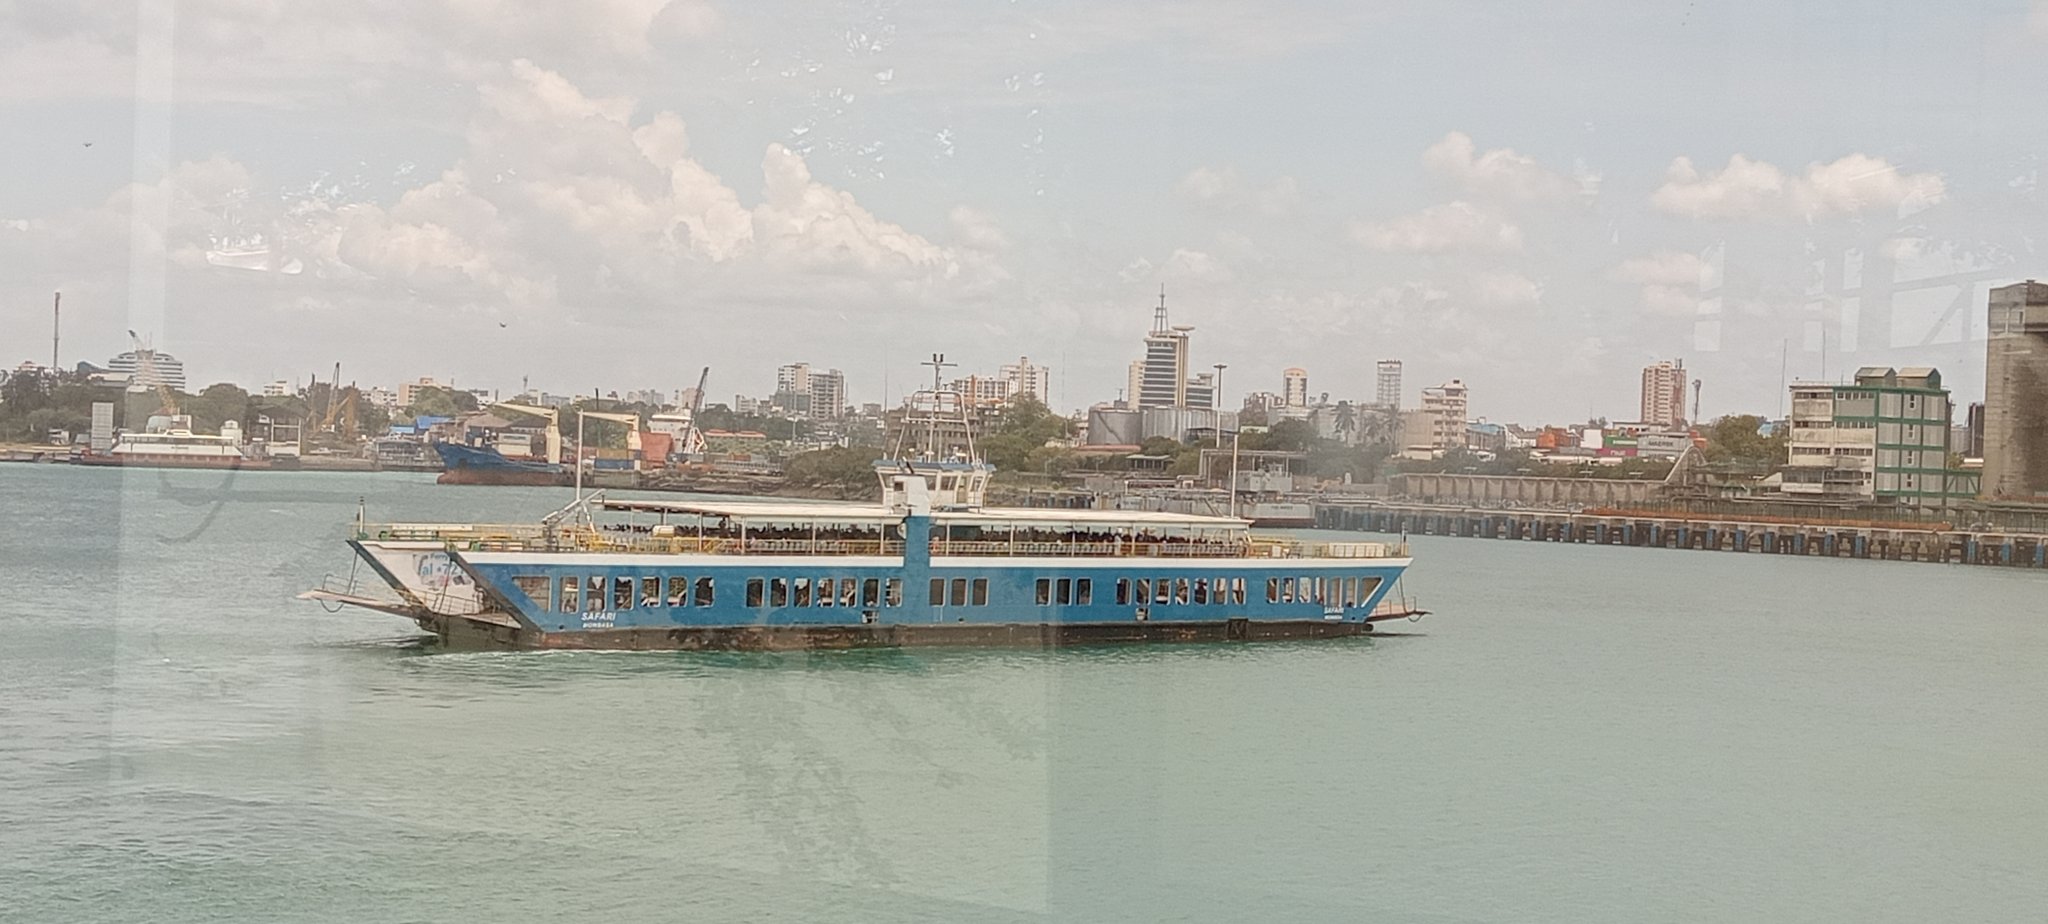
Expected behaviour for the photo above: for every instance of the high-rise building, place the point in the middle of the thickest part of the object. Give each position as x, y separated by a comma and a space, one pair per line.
1201, 390
1023, 378
828, 394
1163, 380
277, 389
409, 392
2016, 392
1445, 407
1884, 437
1389, 394
1663, 396
807, 392
1294, 387
169, 371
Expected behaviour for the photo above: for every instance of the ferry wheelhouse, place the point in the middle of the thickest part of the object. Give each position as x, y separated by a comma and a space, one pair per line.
929, 565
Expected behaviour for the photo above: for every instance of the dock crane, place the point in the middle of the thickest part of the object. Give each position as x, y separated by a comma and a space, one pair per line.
145, 366
693, 438
554, 419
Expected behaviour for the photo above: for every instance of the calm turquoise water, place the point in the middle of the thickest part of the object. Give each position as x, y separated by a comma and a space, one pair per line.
1584, 734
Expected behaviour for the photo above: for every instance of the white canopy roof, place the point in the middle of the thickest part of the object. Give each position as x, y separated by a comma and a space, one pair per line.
987, 518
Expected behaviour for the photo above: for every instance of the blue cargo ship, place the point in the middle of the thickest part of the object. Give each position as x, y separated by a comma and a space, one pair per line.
928, 565
461, 464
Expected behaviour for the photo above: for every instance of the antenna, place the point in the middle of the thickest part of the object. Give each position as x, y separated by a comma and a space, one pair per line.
939, 366
1695, 401
1159, 325
56, 328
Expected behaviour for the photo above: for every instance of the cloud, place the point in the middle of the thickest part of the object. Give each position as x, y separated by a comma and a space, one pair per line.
1195, 265
1671, 280
295, 51
1499, 173
562, 206
1753, 189
1453, 227
1221, 189
1505, 289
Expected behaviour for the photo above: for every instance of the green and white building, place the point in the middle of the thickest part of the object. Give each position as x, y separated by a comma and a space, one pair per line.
1884, 437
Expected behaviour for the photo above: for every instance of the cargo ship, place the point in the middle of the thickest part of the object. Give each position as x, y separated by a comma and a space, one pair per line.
462, 464
928, 565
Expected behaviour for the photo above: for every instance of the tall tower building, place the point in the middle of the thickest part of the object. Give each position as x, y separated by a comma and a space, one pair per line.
1664, 393
1389, 394
1294, 387
1161, 378
2016, 392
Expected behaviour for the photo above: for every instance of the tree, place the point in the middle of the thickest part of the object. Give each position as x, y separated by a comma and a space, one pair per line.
216, 404
434, 401
1737, 438
836, 467
1022, 428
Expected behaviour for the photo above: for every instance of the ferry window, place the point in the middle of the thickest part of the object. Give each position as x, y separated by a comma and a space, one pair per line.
801, 592
959, 592
1286, 590
980, 592
754, 592
1201, 595
1063, 592
1272, 590
1143, 590
871, 592
570, 586
678, 591
594, 600
826, 590
938, 591
1084, 591
1180, 590
1162, 590
894, 595
535, 587
1123, 591
849, 592
705, 591
1366, 586
1237, 591
622, 593
650, 591
1044, 591
778, 592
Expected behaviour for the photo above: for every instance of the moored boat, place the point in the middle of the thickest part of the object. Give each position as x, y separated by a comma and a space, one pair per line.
176, 447
461, 464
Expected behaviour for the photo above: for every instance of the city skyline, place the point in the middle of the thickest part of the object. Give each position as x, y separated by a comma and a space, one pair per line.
651, 191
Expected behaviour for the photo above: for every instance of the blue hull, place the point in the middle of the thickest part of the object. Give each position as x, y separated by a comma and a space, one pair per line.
482, 465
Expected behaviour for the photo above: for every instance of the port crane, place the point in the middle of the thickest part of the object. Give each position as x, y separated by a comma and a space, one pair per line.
693, 438
145, 367
554, 430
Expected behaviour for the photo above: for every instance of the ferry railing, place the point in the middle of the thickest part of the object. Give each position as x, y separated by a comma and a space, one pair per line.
1269, 547
528, 538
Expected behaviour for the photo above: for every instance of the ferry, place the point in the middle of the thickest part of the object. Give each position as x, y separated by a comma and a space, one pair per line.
928, 565
176, 446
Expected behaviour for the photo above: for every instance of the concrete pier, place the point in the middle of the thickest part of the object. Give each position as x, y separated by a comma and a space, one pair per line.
1884, 542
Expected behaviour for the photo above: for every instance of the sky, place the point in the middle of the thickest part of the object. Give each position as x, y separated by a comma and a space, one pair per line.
1534, 198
